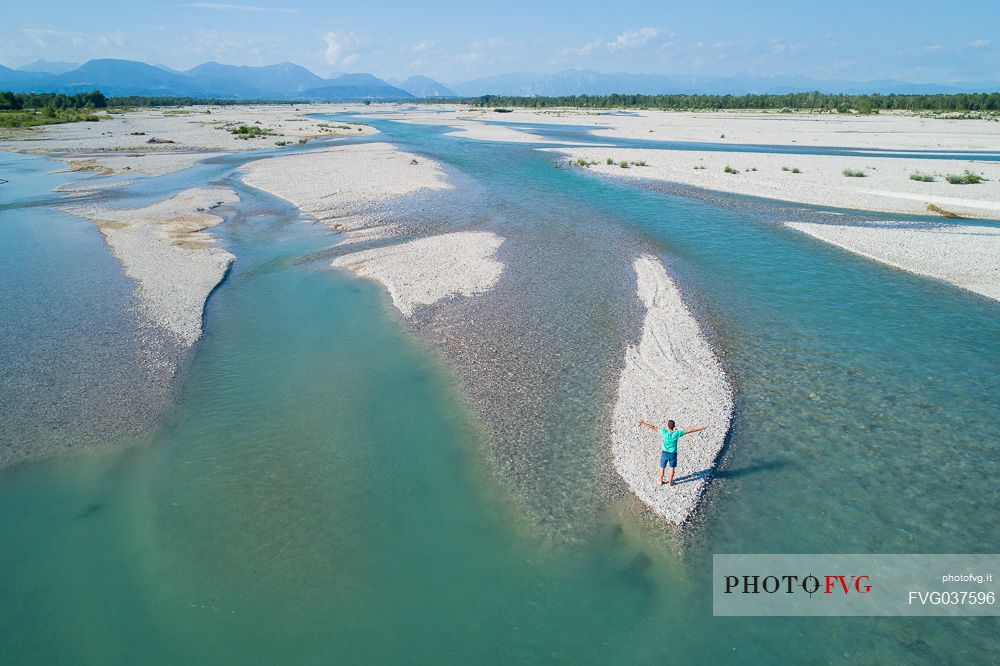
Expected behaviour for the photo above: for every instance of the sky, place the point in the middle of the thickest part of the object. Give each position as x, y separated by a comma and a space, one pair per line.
914, 40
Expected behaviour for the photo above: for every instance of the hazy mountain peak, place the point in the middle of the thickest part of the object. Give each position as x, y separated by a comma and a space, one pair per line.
424, 86
49, 66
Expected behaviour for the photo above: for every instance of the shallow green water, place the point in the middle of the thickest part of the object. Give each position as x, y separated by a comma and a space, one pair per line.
321, 491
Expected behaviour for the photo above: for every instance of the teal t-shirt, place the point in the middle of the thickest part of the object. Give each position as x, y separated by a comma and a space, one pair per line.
670, 439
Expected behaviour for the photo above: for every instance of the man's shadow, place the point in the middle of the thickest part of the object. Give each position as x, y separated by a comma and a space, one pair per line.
730, 473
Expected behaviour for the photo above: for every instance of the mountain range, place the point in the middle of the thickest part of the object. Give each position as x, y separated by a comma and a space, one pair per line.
284, 81
288, 81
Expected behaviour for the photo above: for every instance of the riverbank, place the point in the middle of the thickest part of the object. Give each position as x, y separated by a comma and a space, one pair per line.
166, 249
427, 270
900, 130
184, 129
883, 184
346, 187
965, 256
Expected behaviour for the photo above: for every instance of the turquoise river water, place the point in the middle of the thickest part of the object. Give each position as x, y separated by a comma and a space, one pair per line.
329, 484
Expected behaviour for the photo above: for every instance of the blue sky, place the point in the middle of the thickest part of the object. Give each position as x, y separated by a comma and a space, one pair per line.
915, 40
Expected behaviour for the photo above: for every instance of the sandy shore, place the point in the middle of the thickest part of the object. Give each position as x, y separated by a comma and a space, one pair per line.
966, 256
427, 270
143, 163
194, 128
902, 131
671, 374
166, 250
345, 186
886, 185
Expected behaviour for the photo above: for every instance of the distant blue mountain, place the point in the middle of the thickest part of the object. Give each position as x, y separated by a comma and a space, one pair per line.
423, 86
18, 81
272, 81
355, 87
284, 81
127, 77
49, 67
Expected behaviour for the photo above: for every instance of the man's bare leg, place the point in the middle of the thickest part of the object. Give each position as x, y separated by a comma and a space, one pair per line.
662, 470
671, 481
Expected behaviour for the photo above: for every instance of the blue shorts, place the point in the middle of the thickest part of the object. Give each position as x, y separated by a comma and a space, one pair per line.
668, 459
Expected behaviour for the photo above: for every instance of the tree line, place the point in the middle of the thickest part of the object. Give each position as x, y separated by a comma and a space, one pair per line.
135, 100
12, 101
790, 101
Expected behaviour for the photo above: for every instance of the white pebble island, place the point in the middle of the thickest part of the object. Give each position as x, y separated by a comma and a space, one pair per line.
166, 250
672, 373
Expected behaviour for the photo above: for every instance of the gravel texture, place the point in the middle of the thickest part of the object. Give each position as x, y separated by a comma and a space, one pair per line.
886, 185
166, 250
348, 188
427, 270
195, 128
345, 186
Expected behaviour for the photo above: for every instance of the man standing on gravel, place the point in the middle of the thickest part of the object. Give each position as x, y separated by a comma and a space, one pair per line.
669, 437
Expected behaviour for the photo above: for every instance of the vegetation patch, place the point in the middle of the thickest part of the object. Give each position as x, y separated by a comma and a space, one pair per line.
250, 131
730, 169
922, 177
967, 178
854, 173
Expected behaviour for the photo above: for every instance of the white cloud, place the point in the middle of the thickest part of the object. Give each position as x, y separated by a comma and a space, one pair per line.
482, 50
425, 45
633, 39
342, 47
240, 8
979, 43
224, 45
587, 49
